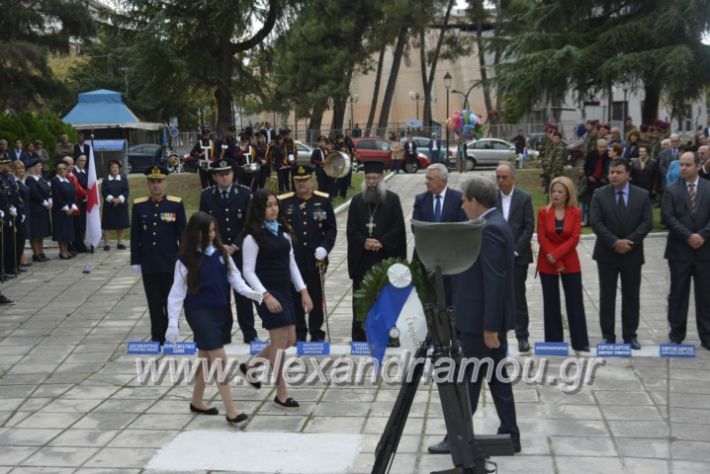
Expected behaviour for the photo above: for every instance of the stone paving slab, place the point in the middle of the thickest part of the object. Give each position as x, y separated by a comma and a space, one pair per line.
70, 400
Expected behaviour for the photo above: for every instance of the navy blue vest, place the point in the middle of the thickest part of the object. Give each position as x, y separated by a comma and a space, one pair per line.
214, 285
272, 262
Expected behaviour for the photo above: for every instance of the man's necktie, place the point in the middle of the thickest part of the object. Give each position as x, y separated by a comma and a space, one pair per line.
224, 195
620, 202
691, 194
437, 209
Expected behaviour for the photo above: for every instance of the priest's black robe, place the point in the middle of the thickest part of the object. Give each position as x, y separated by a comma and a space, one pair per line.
388, 229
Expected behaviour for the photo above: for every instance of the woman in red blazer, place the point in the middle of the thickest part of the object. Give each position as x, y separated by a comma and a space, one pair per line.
558, 227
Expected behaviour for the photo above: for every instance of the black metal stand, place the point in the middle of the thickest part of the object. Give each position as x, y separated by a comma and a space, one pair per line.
468, 453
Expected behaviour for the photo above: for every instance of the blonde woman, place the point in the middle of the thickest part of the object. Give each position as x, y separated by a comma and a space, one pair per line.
559, 225
397, 150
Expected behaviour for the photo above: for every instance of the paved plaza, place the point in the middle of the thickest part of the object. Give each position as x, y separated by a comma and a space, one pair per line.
70, 400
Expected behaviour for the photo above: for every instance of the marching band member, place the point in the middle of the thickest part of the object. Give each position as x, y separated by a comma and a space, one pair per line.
203, 150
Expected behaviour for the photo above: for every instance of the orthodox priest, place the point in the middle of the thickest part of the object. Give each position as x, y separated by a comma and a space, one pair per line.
375, 231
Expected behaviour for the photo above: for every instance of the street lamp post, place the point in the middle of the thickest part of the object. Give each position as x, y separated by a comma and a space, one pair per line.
465, 95
416, 97
447, 85
353, 98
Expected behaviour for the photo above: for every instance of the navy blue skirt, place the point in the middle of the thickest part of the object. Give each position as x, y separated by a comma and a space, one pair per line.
287, 317
208, 326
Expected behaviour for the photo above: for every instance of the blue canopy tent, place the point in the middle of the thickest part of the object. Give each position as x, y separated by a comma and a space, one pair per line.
103, 108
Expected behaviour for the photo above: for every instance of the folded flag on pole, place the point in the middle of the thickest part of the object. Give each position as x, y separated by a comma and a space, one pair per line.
93, 212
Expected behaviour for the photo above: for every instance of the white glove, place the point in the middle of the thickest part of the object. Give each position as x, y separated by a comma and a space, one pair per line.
13, 211
2, 214
23, 219
172, 334
321, 253
136, 268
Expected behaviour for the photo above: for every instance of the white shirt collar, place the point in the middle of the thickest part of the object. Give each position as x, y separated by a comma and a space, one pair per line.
486, 213
509, 195
442, 193
697, 178
117, 178
35, 176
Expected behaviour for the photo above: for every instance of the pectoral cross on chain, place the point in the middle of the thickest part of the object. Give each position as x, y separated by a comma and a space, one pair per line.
371, 225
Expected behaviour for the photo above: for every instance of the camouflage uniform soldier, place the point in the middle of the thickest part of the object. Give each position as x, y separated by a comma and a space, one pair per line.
653, 143
553, 164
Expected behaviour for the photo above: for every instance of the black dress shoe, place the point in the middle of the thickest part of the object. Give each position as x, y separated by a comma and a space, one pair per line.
675, 340
634, 343
63, 257
208, 411
21, 270
121, 247
290, 403
317, 339
442, 447
10, 276
43, 258
609, 341
5, 301
243, 370
36, 258
705, 345
523, 345
242, 417
73, 253
107, 248
582, 349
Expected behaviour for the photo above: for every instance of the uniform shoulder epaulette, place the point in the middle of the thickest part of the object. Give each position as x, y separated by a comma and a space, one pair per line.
140, 200
283, 196
245, 187
173, 198
321, 194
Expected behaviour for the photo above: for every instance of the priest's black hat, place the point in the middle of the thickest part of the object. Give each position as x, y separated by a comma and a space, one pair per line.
374, 167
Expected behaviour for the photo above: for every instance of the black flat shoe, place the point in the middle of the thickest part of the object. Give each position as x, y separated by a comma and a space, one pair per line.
107, 248
28, 264
289, 404
243, 370
121, 247
242, 417
5, 301
43, 258
68, 257
21, 270
209, 411
36, 258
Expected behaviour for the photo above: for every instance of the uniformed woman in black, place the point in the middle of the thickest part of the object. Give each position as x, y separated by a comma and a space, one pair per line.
114, 191
23, 226
40, 206
203, 276
270, 269
64, 204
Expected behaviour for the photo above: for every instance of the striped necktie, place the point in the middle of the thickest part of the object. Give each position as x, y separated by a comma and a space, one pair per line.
691, 194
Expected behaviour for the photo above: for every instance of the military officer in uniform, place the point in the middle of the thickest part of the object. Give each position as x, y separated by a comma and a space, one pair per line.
311, 216
10, 205
227, 201
157, 224
553, 162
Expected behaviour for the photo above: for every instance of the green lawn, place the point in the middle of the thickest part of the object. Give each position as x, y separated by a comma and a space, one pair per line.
529, 180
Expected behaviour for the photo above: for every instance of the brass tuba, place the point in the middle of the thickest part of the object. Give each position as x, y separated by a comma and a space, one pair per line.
337, 164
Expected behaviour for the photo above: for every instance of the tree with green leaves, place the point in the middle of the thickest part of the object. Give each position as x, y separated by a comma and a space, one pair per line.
553, 46
29, 31
200, 46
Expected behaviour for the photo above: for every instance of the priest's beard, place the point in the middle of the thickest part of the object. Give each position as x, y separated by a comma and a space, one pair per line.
374, 195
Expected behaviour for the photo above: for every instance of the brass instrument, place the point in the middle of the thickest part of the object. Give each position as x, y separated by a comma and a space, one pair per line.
250, 166
207, 150
337, 164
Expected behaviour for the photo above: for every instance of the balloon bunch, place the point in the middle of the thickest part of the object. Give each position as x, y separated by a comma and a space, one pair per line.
467, 124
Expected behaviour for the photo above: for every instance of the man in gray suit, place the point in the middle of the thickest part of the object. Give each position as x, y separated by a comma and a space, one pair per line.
517, 209
621, 218
669, 155
485, 307
686, 212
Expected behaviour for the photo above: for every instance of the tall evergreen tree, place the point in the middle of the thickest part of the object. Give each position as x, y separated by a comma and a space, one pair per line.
29, 31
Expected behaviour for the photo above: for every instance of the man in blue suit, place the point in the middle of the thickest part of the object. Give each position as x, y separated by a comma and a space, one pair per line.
484, 300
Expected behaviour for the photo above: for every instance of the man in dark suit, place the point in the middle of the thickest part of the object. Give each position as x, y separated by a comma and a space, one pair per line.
621, 218
81, 148
435, 149
439, 203
668, 156
516, 207
685, 210
227, 202
485, 306
410, 151
19, 153
596, 171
